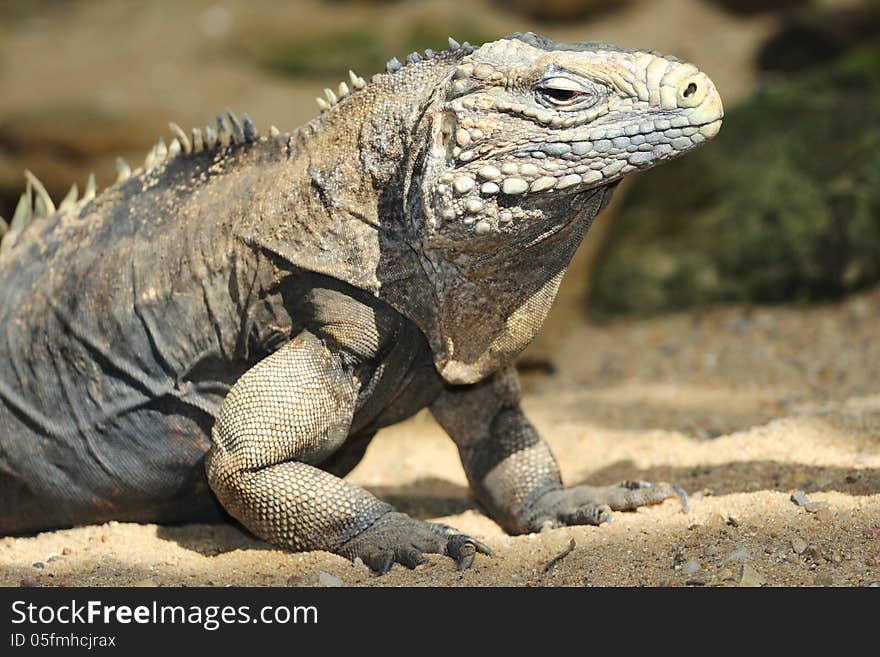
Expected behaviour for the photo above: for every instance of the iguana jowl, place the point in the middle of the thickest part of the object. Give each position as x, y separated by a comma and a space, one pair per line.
236, 320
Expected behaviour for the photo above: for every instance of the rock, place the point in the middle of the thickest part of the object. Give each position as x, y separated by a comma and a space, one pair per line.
39, 565
711, 550
814, 552
690, 567
738, 555
751, 577
326, 579
822, 515
817, 35
800, 498
67, 551
799, 545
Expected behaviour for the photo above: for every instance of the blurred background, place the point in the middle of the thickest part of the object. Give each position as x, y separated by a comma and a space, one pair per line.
784, 207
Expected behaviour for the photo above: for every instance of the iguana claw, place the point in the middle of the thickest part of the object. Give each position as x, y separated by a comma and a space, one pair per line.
463, 549
589, 505
398, 538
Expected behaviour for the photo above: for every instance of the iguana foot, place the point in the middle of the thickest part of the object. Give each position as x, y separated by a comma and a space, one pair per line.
591, 505
397, 538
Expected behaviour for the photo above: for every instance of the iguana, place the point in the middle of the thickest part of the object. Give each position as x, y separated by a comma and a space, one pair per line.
227, 327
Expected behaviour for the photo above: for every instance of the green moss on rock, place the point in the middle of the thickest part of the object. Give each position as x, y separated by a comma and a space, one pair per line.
783, 206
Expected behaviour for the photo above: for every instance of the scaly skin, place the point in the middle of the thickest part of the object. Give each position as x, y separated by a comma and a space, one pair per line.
235, 321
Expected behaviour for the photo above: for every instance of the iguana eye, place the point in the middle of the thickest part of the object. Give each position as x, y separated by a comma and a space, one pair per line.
560, 95
564, 91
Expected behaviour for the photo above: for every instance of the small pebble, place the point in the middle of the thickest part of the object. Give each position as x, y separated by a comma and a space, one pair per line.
729, 519
690, 567
67, 551
822, 515
738, 555
326, 579
751, 577
824, 580
800, 498
39, 565
799, 545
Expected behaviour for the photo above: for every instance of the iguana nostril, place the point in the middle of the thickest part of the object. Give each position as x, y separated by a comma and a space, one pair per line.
691, 90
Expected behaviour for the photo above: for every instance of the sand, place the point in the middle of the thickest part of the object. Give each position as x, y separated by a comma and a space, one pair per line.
740, 406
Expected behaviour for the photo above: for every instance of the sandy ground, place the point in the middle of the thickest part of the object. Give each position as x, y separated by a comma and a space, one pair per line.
742, 407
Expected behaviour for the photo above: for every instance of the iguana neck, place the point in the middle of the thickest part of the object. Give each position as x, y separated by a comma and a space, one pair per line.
362, 157
343, 199
491, 306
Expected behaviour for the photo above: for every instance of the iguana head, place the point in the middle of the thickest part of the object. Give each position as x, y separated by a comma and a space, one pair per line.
484, 167
526, 124
527, 138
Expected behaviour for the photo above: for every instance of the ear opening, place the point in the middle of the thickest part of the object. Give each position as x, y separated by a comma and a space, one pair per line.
443, 138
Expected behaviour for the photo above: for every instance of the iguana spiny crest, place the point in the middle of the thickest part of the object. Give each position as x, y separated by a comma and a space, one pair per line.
35, 202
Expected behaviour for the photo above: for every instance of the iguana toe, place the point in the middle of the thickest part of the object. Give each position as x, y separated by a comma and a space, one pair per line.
589, 505
398, 538
463, 549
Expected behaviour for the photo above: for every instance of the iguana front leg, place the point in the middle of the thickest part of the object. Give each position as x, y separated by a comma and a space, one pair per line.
282, 418
511, 469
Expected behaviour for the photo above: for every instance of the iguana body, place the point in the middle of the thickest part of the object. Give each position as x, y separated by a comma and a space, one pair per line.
236, 321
